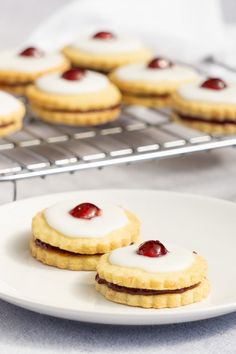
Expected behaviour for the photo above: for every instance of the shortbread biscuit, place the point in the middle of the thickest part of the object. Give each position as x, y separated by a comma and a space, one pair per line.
84, 245
205, 107
56, 257
152, 83
20, 69
137, 278
206, 127
105, 51
12, 112
152, 276
188, 297
89, 100
77, 119
60, 233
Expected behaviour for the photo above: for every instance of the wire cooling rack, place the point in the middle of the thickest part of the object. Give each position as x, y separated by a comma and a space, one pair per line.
139, 134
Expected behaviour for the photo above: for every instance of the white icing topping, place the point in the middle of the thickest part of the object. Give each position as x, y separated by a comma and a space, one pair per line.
90, 82
8, 103
140, 72
10, 60
197, 93
107, 46
113, 217
175, 260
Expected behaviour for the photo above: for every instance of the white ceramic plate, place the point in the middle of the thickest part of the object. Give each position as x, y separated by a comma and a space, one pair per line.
202, 224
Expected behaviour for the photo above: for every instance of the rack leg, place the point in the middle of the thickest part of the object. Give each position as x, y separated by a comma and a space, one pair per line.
14, 191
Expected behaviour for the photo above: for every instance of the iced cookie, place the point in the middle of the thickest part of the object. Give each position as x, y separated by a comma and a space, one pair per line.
74, 236
75, 97
105, 51
12, 112
151, 83
152, 276
209, 106
19, 69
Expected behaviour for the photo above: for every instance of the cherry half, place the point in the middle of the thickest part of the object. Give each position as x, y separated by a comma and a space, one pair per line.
85, 211
159, 63
214, 83
104, 35
31, 52
74, 74
152, 248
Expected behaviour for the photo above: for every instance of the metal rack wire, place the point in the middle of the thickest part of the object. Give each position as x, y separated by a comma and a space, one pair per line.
139, 134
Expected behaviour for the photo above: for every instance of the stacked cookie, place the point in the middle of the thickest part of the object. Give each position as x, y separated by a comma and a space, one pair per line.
208, 105
101, 236
75, 97
105, 51
151, 83
19, 69
152, 276
74, 235
12, 112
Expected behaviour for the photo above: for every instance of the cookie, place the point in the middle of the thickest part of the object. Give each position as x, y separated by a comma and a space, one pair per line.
76, 97
105, 51
12, 112
19, 69
56, 257
151, 83
209, 106
71, 236
152, 276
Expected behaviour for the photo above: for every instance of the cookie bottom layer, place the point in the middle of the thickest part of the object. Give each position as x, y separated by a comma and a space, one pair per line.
12, 127
17, 89
139, 291
17, 82
11, 123
168, 300
93, 117
211, 126
63, 259
103, 62
158, 101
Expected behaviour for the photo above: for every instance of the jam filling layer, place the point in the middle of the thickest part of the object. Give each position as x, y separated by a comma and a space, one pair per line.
136, 291
5, 125
203, 120
15, 84
145, 95
111, 108
47, 247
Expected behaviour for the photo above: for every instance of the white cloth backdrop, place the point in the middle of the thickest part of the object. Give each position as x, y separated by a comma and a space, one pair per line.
182, 29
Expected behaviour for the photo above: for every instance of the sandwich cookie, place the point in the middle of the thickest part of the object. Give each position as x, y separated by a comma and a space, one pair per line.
105, 51
73, 236
76, 97
19, 69
152, 276
152, 83
12, 112
209, 106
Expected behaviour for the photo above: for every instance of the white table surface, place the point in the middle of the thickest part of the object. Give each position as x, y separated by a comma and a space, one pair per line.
212, 174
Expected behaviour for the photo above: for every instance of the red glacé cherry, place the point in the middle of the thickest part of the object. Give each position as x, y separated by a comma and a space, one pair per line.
214, 83
85, 211
159, 63
103, 35
152, 248
73, 74
31, 52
